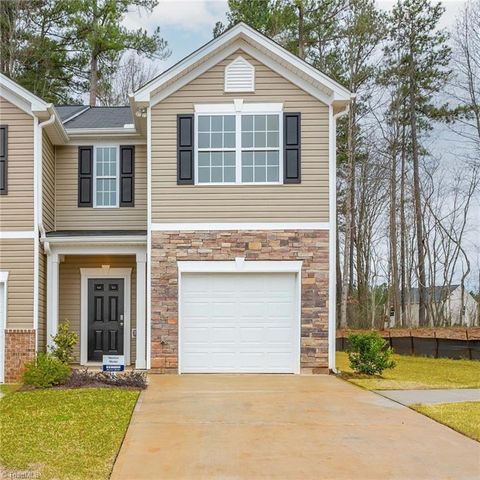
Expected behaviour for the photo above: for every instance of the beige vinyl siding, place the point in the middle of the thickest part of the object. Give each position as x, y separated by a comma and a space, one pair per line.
67, 214
16, 208
48, 180
16, 258
69, 297
42, 300
305, 202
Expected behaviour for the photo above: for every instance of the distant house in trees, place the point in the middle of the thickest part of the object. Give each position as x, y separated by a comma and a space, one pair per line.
446, 302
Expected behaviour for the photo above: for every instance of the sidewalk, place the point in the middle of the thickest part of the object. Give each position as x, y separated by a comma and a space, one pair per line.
448, 395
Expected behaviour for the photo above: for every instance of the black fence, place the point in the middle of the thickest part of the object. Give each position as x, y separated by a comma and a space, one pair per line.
428, 347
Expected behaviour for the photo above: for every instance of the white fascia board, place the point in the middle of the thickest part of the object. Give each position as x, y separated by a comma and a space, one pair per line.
106, 140
187, 78
121, 131
143, 94
98, 240
246, 266
297, 80
17, 92
294, 60
173, 227
245, 107
240, 31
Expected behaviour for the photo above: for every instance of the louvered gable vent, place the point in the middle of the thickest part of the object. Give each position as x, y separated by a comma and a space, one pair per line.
239, 76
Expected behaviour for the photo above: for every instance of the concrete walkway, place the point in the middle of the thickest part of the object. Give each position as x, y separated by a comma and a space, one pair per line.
285, 427
410, 397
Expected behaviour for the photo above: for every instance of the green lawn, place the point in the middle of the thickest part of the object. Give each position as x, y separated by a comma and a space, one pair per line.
64, 434
464, 417
417, 372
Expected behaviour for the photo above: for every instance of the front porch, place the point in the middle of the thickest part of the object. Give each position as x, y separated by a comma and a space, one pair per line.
98, 283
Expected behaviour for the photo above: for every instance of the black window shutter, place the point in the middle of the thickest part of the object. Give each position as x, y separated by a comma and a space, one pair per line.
185, 149
127, 175
3, 159
291, 148
85, 176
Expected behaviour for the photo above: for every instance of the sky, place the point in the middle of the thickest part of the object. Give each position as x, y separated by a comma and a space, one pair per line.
188, 24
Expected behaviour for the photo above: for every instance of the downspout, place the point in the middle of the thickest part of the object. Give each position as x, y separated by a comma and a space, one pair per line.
332, 237
38, 215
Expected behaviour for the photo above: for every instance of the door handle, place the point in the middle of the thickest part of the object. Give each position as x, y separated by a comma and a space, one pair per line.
121, 321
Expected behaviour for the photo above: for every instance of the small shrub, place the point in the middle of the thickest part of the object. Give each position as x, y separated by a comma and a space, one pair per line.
45, 371
64, 342
85, 378
368, 353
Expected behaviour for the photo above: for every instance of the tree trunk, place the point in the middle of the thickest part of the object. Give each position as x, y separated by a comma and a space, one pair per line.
301, 36
403, 235
393, 237
422, 321
348, 216
93, 81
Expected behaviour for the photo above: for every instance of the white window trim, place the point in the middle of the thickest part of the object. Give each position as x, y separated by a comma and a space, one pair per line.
239, 108
85, 275
117, 200
239, 265
3, 324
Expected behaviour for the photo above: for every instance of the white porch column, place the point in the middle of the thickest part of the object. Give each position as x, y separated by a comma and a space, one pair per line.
141, 326
52, 296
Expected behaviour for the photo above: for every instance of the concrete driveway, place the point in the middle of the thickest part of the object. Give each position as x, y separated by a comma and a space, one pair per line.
287, 427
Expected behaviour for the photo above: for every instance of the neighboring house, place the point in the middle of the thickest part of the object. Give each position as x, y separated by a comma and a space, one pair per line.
193, 231
447, 303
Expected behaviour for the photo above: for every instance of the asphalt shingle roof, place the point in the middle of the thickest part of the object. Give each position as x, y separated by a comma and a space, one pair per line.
66, 111
95, 117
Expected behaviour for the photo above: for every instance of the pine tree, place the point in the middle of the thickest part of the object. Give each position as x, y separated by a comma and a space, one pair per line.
99, 38
417, 58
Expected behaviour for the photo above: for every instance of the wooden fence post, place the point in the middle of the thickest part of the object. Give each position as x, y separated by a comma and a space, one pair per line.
468, 345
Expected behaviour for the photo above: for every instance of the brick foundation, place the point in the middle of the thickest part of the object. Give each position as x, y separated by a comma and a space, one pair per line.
19, 349
309, 246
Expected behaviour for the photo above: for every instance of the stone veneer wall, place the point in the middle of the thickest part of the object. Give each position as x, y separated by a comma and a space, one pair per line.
19, 349
309, 246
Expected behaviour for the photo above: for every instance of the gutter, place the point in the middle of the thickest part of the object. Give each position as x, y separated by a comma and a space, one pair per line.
332, 240
37, 213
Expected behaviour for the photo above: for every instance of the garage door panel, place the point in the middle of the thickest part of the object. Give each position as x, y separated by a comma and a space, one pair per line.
239, 323
222, 308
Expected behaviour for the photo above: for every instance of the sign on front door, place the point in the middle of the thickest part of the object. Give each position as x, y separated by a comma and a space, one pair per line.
113, 363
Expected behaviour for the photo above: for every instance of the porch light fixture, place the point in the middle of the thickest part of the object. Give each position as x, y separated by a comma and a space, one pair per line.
141, 112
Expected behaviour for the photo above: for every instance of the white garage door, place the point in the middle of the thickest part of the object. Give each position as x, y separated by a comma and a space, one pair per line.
239, 323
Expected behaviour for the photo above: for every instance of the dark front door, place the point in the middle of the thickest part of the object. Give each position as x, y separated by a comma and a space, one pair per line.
105, 318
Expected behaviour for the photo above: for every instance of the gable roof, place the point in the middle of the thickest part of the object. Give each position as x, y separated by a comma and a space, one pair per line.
83, 116
439, 293
258, 46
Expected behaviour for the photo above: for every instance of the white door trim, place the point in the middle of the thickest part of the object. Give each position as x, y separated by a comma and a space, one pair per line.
3, 325
239, 265
88, 273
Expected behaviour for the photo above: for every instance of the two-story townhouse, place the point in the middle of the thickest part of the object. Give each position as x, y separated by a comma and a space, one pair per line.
193, 231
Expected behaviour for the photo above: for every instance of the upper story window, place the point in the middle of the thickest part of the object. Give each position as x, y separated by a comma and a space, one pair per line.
260, 148
106, 177
216, 149
241, 147
239, 143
